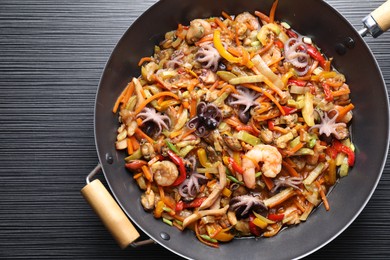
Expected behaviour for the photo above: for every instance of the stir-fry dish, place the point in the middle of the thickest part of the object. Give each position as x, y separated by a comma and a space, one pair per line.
237, 126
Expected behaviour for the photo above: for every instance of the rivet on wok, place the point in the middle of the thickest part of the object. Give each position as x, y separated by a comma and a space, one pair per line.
165, 236
109, 158
341, 49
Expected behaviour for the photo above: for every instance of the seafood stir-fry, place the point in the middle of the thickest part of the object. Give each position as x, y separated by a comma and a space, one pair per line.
237, 126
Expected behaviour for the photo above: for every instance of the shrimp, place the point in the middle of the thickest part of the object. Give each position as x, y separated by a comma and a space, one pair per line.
246, 20
164, 173
272, 163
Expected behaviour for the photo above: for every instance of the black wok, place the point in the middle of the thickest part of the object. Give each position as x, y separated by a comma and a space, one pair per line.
370, 127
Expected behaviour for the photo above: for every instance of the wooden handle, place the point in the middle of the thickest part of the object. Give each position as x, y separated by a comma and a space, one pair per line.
382, 16
110, 213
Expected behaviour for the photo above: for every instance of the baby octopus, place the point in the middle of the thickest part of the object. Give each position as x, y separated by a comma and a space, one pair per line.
149, 115
207, 118
209, 57
328, 125
245, 98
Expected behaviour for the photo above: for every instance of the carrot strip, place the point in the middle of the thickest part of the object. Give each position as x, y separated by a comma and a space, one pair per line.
234, 51
137, 175
161, 191
187, 133
341, 92
323, 196
156, 96
193, 105
120, 99
204, 39
134, 143
226, 16
344, 110
268, 182
290, 169
268, 95
130, 150
225, 88
144, 59
143, 135
147, 173
220, 24
295, 149
273, 11
262, 16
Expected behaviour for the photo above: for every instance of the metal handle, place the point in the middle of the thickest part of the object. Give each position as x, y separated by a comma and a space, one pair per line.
377, 22
110, 213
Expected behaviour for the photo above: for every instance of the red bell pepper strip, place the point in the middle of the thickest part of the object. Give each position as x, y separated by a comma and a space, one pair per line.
255, 230
279, 43
271, 125
135, 164
291, 34
316, 54
182, 169
193, 204
276, 217
339, 147
289, 110
297, 82
327, 91
237, 168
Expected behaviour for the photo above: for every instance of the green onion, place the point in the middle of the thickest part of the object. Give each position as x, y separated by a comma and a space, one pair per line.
206, 237
258, 174
172, 146
178, 222
167, 221
234, 180
166, 209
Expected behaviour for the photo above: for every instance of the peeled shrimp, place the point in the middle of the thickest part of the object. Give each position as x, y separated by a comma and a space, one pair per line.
165, 173
272, 163
245, 19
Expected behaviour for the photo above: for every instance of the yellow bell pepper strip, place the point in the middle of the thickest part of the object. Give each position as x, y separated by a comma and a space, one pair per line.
253, 228
224, 53
159, 209
224, 235
202, 156
221, 50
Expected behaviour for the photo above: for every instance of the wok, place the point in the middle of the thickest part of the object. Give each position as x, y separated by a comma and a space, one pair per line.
370, 128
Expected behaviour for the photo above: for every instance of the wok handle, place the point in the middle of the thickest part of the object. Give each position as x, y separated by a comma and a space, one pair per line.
382, 16
110, 213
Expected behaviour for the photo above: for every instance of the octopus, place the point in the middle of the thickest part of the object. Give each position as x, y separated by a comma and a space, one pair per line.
287, 182
328, 125
208, 56
207, 119
191, 186
244, 203
244, 98
157, 119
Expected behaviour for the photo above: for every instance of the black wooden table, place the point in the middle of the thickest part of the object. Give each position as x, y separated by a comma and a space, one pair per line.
52, 54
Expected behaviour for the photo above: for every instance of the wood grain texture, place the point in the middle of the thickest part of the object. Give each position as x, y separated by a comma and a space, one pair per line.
52, 54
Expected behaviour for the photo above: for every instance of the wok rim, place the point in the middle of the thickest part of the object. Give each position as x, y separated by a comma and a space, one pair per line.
324, 243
